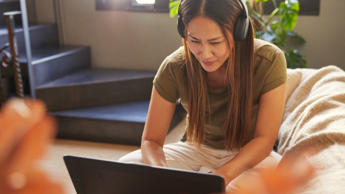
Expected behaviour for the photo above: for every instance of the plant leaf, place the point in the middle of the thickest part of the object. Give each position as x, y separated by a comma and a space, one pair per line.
173, 8
288, 14
174, 3
279, 31
297, 37
268, 36
294, 5
274, 12
295, 59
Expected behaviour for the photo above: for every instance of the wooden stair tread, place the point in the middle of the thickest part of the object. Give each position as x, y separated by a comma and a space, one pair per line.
50, 52
19, 28
98, 75
135, 111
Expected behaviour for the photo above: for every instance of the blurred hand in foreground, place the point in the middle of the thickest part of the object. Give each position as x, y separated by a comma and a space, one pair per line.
25, 132
287, 178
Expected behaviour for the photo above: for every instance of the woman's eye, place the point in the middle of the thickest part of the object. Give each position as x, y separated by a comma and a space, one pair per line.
215, 43
194, 41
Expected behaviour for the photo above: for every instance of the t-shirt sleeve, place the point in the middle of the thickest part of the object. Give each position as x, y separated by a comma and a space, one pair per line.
276, 75
165, 82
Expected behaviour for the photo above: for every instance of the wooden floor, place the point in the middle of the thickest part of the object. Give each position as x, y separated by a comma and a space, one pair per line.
53, 160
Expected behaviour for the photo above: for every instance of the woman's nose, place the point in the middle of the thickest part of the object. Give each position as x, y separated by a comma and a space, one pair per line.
205, 51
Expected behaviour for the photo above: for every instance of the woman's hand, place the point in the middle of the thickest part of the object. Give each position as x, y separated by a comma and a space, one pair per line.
25, 132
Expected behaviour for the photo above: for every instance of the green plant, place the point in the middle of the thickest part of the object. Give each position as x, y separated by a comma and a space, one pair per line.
275, 28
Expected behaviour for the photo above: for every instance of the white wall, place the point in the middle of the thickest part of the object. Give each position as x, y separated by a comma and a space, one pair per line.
142, 40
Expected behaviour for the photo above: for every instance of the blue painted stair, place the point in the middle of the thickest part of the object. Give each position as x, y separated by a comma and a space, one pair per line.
96, 86
120, 123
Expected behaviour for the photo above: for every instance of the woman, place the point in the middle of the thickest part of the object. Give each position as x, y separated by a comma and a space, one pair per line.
232, 87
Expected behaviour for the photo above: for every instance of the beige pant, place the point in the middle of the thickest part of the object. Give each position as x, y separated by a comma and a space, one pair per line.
204, 159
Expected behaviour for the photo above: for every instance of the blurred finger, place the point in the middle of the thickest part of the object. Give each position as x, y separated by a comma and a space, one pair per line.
32, 146
288, 178
37, 182
16, 118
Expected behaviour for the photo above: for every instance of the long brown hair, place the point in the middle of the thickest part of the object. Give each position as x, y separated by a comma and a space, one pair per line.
239, 74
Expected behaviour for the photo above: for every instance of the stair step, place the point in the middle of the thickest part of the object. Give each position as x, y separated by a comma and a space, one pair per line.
121, 123
41, 35
53, 62
96, 86
51, 52
135, 111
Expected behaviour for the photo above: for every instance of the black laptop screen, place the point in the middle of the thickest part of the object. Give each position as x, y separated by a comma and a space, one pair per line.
98, 176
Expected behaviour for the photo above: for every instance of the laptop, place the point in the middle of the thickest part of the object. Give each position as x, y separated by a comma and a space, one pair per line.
97, 176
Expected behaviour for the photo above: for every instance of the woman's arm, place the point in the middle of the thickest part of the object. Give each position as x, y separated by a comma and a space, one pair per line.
270, 112
156, 127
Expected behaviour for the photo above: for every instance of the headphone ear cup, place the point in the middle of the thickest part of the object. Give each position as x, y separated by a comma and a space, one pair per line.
241, 28
180, 26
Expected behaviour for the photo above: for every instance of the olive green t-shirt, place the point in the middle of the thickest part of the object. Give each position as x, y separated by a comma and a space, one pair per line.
269, 73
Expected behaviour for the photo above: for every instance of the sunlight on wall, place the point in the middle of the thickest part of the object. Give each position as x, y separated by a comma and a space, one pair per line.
146, 1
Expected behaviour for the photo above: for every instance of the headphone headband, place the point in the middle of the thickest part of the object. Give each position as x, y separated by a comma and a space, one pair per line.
245, 9
180, 24
240, 28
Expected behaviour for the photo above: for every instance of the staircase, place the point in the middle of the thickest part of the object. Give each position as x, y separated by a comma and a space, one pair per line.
92, 104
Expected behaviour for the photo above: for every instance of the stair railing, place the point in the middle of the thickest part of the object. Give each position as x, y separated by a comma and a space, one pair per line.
5, 60
14, 49
14, 52
27, 47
